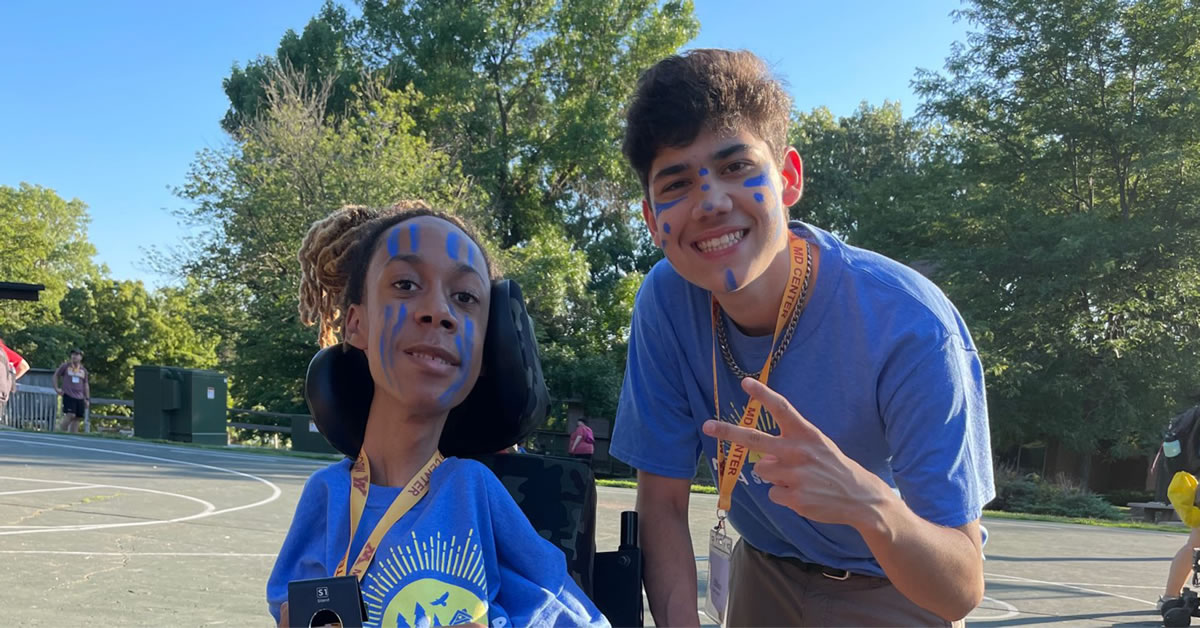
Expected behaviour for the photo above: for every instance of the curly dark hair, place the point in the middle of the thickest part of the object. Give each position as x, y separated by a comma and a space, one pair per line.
336, 252
705, 89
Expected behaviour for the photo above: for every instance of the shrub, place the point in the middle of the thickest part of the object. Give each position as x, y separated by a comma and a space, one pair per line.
1122, 497
1033, 494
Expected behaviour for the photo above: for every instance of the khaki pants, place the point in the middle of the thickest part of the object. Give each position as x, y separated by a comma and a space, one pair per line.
766, 590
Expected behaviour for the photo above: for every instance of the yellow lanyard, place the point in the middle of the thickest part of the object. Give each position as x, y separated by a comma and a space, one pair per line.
360, 483
731, 468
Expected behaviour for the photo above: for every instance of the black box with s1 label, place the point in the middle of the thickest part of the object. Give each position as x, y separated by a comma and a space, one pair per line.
326, 602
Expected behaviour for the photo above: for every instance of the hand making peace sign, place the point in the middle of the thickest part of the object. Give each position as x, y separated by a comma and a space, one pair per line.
809, 472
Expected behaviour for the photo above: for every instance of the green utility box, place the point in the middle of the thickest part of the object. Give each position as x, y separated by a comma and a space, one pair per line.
305, 437
179, 404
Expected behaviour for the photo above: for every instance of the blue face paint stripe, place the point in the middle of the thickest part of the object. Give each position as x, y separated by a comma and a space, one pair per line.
414, 238
662, 207
705, 187
757, 182
730, 281
758, 197
452, 245
708, 207
667, 227
393, 242
400, 316
704, 172
384, 357
463, 342
470, 255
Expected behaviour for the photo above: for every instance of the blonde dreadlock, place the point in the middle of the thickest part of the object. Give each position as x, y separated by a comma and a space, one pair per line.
334, 256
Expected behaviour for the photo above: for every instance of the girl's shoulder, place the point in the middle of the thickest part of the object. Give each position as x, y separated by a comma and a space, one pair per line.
331, 476
464, 473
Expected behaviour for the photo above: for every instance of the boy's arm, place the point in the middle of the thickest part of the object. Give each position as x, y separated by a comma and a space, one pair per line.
54, 380
670, 576
22, 368
938, 568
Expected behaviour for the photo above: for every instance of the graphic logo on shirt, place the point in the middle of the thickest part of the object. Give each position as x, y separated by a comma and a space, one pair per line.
766, 423
435, 582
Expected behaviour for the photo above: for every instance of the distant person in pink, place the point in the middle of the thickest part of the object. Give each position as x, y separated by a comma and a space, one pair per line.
582, 441
75, 389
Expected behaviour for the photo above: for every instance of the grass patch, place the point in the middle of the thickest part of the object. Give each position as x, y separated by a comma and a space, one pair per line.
696, 488
1104, 523
990, 514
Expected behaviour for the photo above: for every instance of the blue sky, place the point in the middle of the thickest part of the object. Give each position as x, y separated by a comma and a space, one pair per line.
109, 102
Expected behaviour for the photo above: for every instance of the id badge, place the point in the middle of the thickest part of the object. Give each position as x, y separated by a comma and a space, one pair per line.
74, 379
720, 550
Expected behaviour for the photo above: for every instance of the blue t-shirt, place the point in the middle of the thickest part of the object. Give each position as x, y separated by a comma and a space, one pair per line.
465, 552
881, 362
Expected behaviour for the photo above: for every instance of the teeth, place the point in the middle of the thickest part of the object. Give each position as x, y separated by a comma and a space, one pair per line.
426, 356
723, 242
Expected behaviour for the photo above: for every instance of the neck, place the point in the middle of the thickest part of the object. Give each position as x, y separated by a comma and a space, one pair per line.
755, 307
399, 441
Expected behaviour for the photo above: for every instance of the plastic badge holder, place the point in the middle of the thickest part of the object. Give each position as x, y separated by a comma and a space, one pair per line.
325, 602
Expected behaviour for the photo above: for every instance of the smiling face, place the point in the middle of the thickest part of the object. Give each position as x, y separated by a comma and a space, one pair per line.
718, 207
424, 315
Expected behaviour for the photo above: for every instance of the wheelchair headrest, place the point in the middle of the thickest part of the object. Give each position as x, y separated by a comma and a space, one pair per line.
508, 402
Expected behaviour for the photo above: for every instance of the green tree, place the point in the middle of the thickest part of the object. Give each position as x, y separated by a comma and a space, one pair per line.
878, 180
1070, 243
119, 325
256, 199
526, 97
43, 240
322, 53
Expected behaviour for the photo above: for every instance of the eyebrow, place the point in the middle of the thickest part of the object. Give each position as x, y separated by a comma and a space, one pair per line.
730, 150
414, 259
717, 156
670, 170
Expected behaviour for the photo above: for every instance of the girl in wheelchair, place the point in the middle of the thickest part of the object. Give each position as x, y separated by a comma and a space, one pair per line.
433, 540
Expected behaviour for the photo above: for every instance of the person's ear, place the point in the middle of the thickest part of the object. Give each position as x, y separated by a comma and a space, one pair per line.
792, 174
651, 221
356, 329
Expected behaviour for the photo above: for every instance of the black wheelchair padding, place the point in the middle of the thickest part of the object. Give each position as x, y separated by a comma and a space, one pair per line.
508, 402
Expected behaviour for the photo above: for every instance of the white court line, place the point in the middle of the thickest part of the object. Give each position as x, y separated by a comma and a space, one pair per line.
1105, 584
132, 554
207, 513
208, 506
48, 490
1070, 586
1010, 611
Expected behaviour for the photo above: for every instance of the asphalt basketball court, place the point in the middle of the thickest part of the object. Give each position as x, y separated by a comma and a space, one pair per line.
110, 532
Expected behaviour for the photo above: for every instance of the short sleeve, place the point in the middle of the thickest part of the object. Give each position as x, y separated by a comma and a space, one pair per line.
302, 555
535, 588
935, 416
654, 430
14, 358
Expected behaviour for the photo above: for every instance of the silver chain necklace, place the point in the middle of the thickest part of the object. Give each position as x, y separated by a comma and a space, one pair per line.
723, 341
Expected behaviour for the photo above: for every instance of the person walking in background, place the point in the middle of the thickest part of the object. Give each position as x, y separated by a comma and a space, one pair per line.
19, 365
11, 368
75, 390
582, 441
